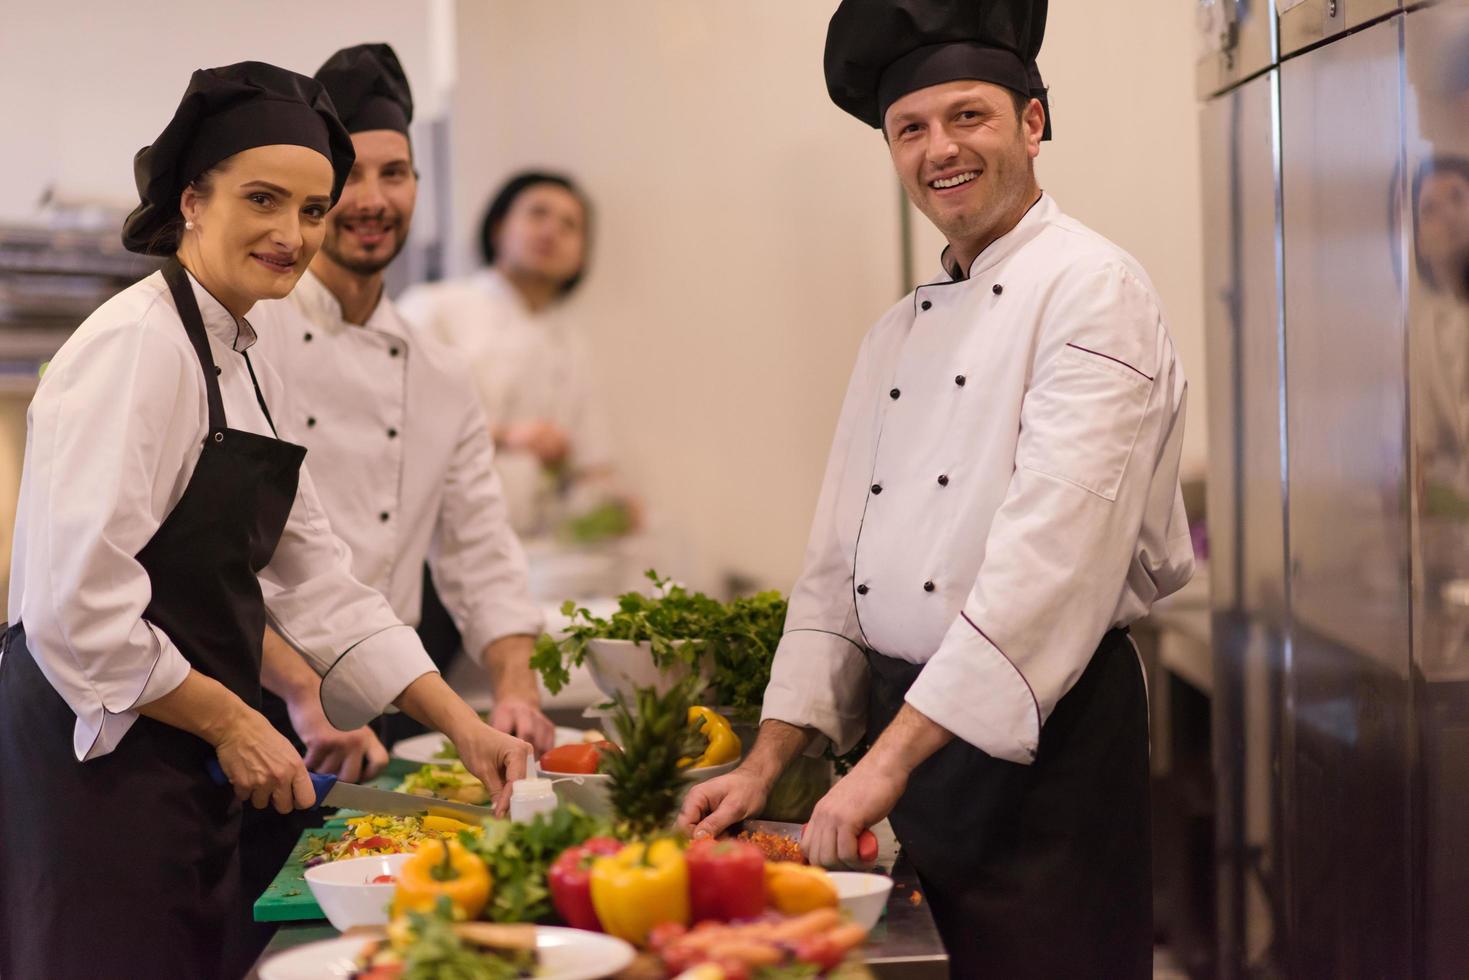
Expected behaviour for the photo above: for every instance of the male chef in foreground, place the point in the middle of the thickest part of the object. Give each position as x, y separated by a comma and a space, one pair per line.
1000, 503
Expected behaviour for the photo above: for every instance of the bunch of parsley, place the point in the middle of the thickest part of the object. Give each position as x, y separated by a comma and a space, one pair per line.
679, 626
519, 855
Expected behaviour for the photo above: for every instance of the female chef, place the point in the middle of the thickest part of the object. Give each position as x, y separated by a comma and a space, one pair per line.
153, 494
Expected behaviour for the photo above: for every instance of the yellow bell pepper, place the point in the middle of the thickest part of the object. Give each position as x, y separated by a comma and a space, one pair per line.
639, 887
795, 889
442, 868
445, 825
724, 744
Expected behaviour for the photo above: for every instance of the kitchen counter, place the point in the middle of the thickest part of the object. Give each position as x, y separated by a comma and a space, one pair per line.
904, 946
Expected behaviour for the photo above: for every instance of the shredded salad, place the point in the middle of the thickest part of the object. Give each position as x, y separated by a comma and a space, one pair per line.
372, 835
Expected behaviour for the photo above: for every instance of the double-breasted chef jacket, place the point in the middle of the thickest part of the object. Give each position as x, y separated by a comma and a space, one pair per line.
94, 496
527, 366
402, 458
1002, 490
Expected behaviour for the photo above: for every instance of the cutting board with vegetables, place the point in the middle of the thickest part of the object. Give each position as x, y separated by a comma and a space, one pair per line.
288, 897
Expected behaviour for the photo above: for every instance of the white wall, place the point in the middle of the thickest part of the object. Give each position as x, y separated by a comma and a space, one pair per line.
748, 229
87, 83
747, 237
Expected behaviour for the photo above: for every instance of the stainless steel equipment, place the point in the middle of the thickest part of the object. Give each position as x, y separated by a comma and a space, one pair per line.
1336, 205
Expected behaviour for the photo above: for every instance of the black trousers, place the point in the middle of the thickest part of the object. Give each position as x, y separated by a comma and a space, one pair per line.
1039, 871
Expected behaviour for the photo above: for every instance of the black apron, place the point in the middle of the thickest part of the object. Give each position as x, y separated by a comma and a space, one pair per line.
1038, 871
127, 866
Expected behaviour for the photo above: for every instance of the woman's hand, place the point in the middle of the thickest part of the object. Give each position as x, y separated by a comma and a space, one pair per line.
495, 758
262, 765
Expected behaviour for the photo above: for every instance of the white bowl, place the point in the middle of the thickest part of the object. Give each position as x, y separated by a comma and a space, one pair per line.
622, 666
863, 896
590, 792
345, 894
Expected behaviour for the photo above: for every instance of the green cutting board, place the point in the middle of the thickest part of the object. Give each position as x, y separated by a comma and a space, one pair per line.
288, 898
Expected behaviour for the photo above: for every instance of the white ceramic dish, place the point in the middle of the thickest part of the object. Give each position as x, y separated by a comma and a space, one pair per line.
590, 792
565, 954
345, 893
425, 747
622, 666
863, 896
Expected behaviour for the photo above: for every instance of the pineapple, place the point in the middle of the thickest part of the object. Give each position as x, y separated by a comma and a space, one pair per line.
646, 782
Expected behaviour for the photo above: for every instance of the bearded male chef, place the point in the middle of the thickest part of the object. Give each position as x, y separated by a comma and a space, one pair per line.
397, 439
1000, 503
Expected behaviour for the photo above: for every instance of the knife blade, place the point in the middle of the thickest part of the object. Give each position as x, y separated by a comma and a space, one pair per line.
330, 791
369, 799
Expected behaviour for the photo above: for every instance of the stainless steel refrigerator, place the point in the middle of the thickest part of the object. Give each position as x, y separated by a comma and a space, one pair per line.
1336, 206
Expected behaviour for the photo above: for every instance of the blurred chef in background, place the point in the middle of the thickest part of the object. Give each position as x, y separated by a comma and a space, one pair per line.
530, 362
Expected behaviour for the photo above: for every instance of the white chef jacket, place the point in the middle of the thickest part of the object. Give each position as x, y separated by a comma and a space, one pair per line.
1001, 490
402, 459
113, 434
526, 366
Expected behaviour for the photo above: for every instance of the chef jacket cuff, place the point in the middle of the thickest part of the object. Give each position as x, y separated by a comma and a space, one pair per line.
819, 680
366, 679
974, 690
499, 619
98, 732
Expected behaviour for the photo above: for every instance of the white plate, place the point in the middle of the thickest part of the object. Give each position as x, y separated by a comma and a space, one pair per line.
423, 748
566, 954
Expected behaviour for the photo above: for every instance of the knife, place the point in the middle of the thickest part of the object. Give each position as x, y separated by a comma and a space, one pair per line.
330, 791
866, 841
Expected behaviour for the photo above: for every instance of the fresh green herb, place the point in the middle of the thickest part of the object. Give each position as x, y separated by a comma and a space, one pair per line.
447, 751
681, 627
437, 953
519, 854
607, 520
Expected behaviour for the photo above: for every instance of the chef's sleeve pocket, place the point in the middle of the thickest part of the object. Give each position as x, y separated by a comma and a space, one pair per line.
1080, 422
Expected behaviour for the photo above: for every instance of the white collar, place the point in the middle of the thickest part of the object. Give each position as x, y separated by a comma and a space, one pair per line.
1041, 213
219, 322
324, 309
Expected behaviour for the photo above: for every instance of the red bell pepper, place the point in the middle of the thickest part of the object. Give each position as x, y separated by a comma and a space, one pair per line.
570, 881
726, 880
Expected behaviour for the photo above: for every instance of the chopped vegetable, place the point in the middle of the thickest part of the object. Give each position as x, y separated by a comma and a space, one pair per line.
452, 782
775, 847
378, 834
442, 869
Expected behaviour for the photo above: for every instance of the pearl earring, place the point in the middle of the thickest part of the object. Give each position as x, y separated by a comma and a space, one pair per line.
189, 225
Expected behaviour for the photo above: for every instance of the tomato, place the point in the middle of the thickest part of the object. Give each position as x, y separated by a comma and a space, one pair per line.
383, 880
370, 843
578, 760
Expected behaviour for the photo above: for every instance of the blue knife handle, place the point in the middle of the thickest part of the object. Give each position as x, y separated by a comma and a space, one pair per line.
320, 781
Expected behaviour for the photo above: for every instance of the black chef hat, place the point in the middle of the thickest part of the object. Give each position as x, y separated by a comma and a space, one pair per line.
368, 87
226, 111
877, 51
